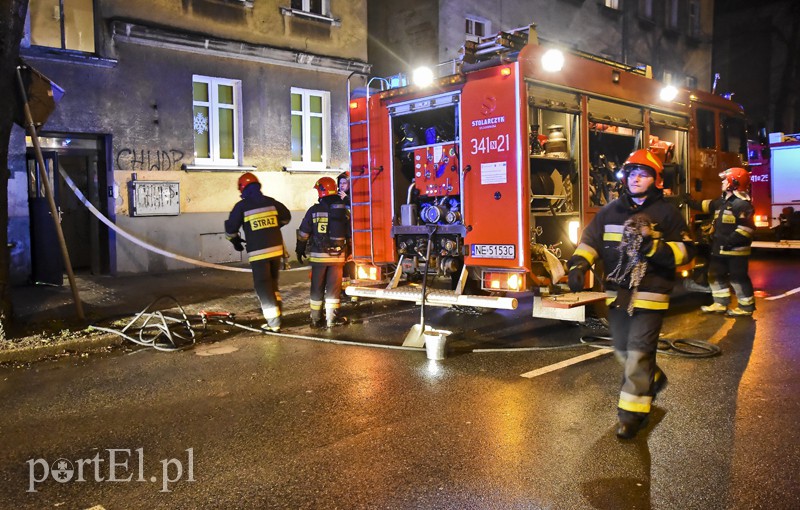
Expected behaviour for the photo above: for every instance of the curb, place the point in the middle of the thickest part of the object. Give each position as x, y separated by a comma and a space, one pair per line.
77, 345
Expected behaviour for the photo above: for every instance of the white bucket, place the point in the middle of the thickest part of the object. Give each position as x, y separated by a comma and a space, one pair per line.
435, 342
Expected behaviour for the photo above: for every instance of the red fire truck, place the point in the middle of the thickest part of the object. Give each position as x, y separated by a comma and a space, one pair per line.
487, 176
775, 189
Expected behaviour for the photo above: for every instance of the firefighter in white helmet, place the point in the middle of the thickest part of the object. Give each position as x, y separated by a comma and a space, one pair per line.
732, 235
323, 235
641, 239
261, 217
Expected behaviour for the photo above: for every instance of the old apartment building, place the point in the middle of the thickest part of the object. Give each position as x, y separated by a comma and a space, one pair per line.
165, 104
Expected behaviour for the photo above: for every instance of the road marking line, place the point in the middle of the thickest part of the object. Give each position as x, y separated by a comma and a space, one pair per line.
566, 363
785, 294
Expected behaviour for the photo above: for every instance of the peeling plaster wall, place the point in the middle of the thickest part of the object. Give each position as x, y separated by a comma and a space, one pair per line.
261, 24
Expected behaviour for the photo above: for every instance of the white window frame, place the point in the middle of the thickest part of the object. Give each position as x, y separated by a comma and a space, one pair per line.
305, 163
213, 120
325, 7
472, 21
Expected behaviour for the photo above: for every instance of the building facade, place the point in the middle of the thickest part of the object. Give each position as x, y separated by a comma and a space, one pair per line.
673, 37
165, 104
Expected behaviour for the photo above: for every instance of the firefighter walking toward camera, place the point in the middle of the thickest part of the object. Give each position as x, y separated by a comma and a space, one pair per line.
261, 217
641, 239
732, 235
323, 235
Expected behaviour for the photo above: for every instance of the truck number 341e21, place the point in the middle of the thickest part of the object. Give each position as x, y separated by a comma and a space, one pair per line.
487, 144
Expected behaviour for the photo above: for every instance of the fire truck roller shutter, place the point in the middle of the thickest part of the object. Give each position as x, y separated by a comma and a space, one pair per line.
607, 112
548, 98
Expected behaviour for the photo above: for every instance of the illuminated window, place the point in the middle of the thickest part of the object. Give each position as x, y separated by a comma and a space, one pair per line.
694, 19
477, 27
319, 7
611, 4
310, 129
672, 20
65, 24
646, 9
217, 120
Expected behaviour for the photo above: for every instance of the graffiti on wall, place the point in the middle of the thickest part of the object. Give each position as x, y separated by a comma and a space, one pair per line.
155, 198
147, 159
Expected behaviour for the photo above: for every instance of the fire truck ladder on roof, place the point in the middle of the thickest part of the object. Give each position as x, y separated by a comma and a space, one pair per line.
366, 173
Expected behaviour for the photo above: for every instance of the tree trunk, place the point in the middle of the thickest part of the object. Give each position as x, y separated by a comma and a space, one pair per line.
12, 23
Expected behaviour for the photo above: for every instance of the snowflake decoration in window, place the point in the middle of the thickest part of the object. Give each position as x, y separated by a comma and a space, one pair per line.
200, 123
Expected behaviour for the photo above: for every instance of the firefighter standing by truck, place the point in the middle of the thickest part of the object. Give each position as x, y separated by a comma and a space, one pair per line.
323, 234
261, 217
732, 235
641, 239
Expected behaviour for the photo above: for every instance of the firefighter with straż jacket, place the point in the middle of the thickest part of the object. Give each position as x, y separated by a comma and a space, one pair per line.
732, 234
641, 239
323, 235
261, 217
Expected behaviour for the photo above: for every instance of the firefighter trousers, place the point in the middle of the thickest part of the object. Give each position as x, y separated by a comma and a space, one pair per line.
725, 272
265, 281
326, 289
635, 340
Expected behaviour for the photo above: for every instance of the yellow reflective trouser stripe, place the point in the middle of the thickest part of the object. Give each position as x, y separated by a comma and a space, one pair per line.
332, 304
737, 252
650, 301
706, 206
744, 231
611, 236
611, 295
679, 252
633, 403
315, 305
271, 313
265, 253
746, 300
726, 292
649, 305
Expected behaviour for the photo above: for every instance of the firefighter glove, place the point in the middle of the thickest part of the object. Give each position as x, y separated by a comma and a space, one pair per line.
238, 243
576, 279
646, 247
300, 250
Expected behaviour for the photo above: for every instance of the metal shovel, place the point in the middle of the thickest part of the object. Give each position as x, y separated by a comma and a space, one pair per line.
414, 338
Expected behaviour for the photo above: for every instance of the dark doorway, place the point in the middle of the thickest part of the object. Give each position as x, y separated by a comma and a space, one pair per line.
88, 242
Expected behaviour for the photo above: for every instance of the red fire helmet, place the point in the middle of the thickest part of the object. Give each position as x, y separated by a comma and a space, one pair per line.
737, 179
645, 158
325, 186
245, 179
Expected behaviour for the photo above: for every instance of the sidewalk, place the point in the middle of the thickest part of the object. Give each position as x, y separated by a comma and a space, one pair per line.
46, 322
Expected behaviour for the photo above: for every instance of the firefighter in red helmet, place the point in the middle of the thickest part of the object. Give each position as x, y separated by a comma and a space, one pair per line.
261, 218
733, 228
641, 239
323, 235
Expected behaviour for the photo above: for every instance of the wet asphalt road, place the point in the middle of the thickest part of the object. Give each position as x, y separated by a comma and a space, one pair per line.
284, 422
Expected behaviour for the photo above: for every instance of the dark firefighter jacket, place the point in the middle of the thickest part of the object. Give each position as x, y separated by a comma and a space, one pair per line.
672, 247
324, 231
261, 218
733, 223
